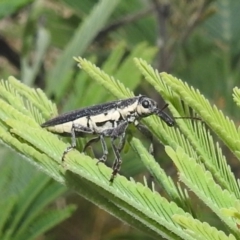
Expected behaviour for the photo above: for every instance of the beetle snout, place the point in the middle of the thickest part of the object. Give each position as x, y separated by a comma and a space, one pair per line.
166, 118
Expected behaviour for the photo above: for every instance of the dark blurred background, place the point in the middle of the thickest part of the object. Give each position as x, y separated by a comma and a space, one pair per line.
197, 41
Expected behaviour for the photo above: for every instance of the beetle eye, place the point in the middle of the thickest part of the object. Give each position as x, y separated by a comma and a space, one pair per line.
145, 104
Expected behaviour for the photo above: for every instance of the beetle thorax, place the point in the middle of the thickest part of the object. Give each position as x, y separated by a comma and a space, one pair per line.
129, 112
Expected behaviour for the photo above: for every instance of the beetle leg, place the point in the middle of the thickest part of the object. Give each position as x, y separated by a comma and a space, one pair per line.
104, 147
93, 140
75, 128
117, 163
122, 142
118, 132
105, 150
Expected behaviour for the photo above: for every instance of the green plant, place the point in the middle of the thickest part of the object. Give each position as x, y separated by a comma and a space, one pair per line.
201, 165
25, 198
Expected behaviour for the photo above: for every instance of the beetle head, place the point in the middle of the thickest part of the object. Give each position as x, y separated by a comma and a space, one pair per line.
147, 106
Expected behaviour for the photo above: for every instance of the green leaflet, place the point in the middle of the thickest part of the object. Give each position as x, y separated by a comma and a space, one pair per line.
200, 162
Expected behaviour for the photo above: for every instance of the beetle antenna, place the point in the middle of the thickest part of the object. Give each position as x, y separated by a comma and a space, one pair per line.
191, 118
170, 121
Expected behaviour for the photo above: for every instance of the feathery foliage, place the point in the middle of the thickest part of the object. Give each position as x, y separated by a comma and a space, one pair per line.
199, 160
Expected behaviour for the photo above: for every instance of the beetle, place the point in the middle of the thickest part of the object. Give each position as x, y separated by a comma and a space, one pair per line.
109, 119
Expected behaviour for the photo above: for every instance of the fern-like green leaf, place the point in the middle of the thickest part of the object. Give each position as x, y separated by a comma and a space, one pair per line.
202, 183
198, 136
113, 86
236, 95
145, 210
201, 231
202, 166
